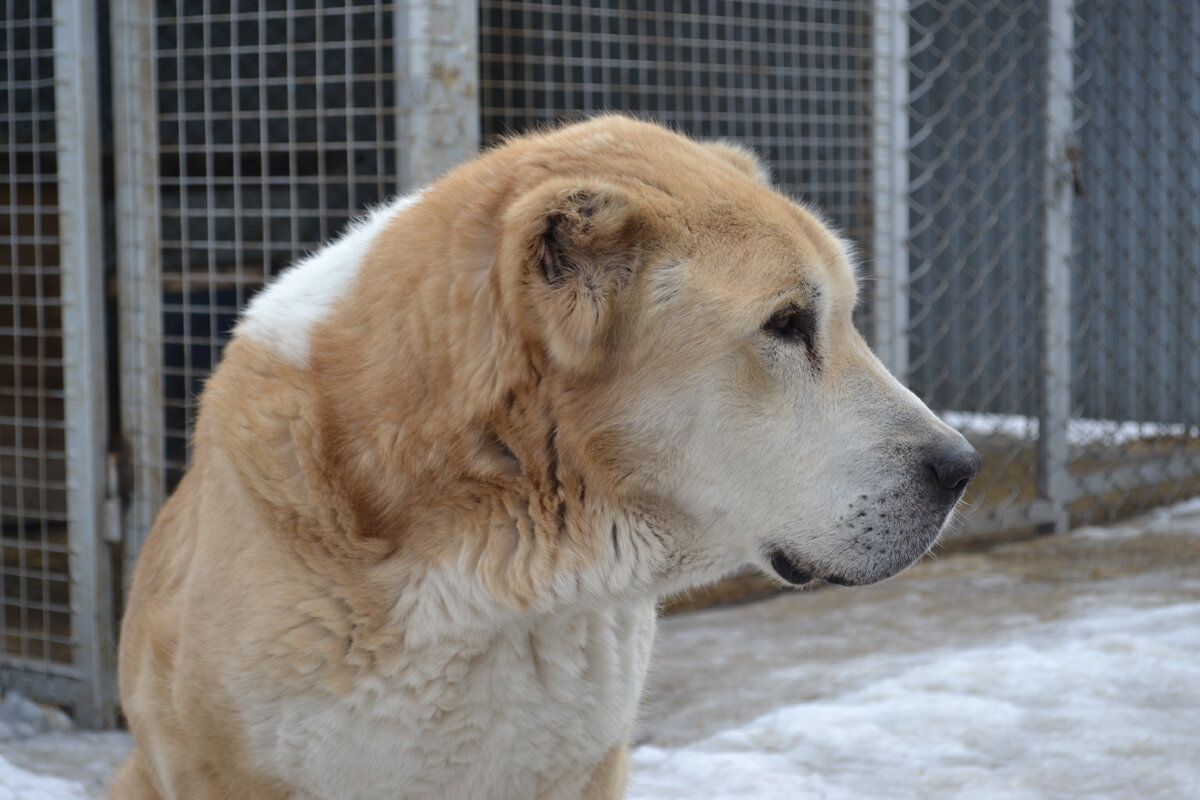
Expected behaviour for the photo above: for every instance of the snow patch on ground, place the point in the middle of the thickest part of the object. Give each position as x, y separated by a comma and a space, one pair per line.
1181, 519
17, 784
44, 757
1099, 706
1080, 432
21, 718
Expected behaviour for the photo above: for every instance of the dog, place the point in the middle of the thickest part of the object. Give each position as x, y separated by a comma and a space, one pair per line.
450, 461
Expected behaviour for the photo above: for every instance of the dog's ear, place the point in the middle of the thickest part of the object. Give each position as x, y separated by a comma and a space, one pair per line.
582, 251
588, 238
743, 158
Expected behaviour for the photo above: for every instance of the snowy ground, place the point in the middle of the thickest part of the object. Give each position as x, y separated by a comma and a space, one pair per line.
1080, 432
1062, 667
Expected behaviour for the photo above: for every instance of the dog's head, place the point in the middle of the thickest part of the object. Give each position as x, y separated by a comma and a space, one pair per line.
697, 327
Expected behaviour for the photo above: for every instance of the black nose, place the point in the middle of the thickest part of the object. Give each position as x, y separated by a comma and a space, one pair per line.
956, 466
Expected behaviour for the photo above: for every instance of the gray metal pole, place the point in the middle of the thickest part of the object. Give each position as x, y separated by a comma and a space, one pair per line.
1054, 479
82, 250
890, 177
437, 87
135, 162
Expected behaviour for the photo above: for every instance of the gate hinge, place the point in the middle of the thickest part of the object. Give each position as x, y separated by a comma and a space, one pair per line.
113, 530
1073, 158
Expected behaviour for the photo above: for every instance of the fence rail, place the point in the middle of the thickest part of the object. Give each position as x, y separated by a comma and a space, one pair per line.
1022, 178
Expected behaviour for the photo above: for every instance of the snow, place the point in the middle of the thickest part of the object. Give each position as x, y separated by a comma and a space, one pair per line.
1080, 432
1061, 667
60, 765
1089, 707
1064, 667
1181, 519
17, 784
21, 718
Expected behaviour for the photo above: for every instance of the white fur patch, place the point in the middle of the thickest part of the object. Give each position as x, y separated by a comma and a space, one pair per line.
480, 702
282, 314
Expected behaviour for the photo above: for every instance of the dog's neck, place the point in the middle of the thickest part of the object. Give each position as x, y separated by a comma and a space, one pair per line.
521, 516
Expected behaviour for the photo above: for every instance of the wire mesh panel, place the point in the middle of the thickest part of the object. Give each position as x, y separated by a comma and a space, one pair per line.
254, 132
790, 79
33, 460
1040, 266
275, 126
53, 582
248, 133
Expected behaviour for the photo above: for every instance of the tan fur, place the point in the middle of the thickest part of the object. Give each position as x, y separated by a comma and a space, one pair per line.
608, 778
493, 399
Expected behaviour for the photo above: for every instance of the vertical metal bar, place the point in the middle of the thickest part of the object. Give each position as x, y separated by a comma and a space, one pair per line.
82, 248
437, 87
890, 168
135, 163
1054, 479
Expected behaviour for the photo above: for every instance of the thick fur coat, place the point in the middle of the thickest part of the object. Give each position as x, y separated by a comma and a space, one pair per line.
449, 462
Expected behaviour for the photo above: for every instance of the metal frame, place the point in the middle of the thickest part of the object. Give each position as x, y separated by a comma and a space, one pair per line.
87, 685
437, 126
437, 115
139, 305
1054, 413
82, 248
438, 91
33, 493
890, 76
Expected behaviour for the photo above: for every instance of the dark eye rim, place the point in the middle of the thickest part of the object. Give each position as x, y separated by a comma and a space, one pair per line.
793, 323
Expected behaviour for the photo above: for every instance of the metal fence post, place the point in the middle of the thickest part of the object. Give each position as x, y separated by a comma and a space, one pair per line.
135, 154
437, 87
890, 172
82, 247
1054, 413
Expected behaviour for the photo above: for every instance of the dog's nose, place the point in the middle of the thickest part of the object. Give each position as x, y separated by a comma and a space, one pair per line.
955, 466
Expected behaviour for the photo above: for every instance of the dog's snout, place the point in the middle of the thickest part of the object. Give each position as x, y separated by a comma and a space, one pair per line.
955, 466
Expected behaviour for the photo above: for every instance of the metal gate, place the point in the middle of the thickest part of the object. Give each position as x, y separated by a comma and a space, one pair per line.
1049, 248
255, 135
1021, 177
792, 80
56, 578
246, 136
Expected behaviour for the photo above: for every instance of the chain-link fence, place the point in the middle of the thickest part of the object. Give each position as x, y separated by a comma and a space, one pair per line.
1135, 257
1022, 178
1054, 249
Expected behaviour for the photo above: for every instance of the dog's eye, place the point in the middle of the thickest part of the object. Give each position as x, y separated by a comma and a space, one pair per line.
793, 324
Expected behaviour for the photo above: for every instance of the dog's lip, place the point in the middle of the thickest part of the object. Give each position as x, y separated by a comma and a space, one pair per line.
798, 574
786, 568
